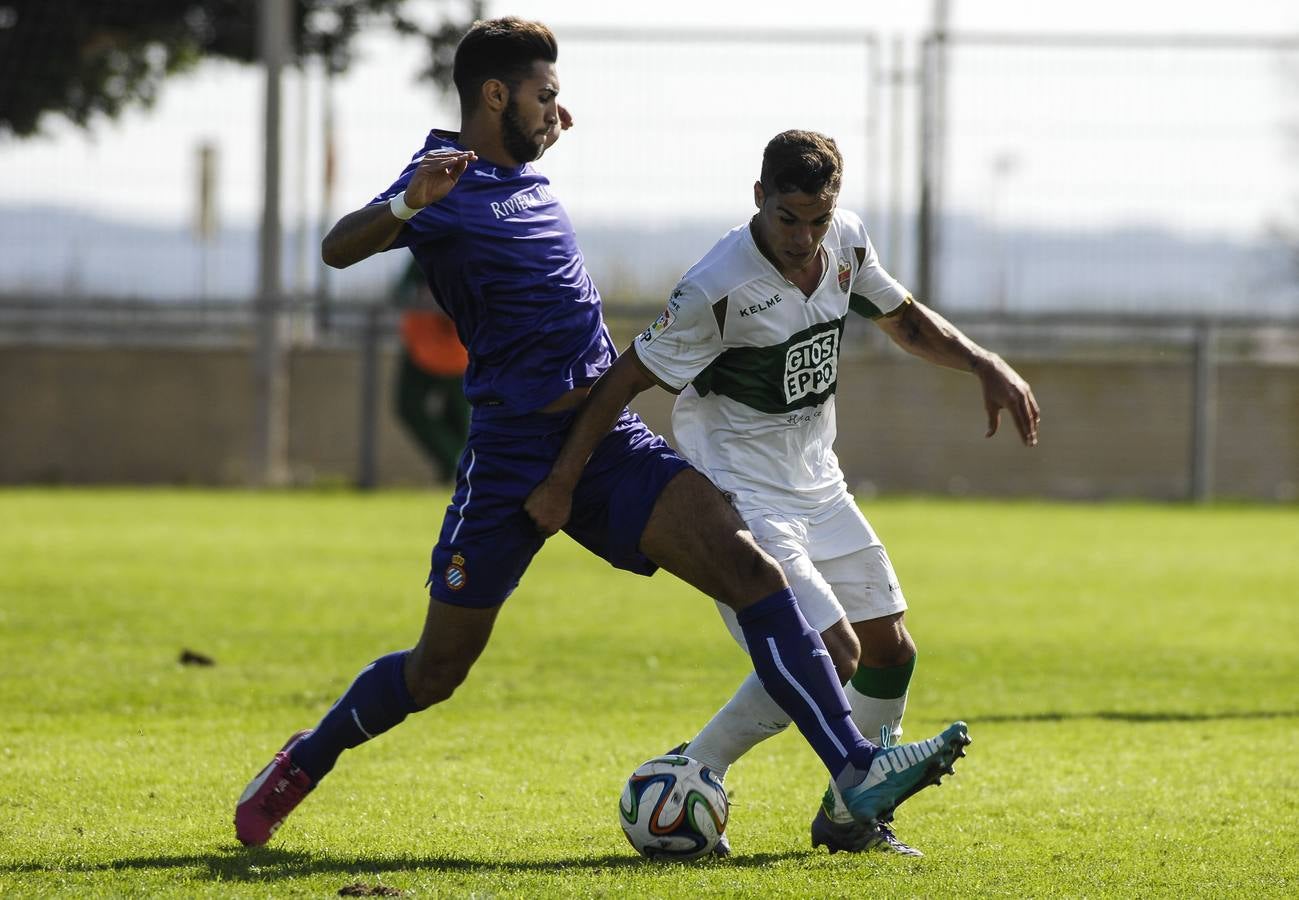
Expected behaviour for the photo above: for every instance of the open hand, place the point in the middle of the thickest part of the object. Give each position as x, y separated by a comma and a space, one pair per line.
436, 175
1003, 388
565, 122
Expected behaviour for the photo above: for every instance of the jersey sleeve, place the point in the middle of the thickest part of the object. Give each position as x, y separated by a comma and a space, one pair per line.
430, 223
874, 291
683, 340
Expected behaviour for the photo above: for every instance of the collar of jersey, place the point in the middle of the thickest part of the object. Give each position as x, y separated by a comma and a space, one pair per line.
449, 138
771, 266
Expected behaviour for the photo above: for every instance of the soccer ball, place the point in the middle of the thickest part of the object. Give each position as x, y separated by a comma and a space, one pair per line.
673, 807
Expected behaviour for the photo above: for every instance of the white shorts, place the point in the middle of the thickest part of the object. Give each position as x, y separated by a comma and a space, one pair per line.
834, 562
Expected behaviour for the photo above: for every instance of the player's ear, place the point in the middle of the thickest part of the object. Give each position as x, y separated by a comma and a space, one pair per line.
758, 196
495, 94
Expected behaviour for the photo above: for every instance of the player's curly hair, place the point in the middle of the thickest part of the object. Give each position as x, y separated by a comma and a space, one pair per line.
502, 48
806, 161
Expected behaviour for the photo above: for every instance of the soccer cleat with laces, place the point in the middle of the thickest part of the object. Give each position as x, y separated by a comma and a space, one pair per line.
896, 773
271, 796
854, 837
887, 842
722, 848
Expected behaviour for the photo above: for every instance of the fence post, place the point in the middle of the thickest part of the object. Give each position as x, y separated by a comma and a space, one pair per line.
270, 359
925, 191
1204, 410
367, 474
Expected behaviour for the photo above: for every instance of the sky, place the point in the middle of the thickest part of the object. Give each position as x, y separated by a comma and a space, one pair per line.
670, 131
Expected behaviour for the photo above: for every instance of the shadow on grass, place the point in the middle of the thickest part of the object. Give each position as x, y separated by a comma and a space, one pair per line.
269, 864
1138, 717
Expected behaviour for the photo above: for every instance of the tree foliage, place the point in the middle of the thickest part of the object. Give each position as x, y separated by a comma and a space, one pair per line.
90, 59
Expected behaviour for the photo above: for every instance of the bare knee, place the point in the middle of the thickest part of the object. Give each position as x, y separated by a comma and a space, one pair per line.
741, 572
757, 575
885, 642
432, 679
452, 640
695, 533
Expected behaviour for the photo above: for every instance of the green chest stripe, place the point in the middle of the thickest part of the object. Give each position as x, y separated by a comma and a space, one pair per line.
792, 375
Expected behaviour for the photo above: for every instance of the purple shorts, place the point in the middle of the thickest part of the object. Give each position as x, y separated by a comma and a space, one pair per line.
487, 539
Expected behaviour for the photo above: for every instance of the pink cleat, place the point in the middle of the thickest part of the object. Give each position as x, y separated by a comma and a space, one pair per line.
271, 796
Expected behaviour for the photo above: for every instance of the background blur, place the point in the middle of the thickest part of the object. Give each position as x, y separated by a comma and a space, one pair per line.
1108, 196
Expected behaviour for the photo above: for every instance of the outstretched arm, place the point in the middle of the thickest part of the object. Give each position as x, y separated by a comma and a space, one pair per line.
924, 333
372, 228
550, 502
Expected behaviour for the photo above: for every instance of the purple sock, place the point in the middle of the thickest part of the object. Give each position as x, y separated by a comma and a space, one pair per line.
795, 668
377, 700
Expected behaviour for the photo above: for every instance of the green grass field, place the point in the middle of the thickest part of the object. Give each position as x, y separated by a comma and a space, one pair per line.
1130, 674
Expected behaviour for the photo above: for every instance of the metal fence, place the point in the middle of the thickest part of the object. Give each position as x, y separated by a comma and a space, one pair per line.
995, 171
1157, 173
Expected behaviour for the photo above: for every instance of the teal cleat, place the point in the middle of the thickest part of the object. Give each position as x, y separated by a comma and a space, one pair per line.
895, 773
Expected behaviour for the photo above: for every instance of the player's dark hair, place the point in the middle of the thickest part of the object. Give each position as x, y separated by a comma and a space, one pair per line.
804, 161
505, 49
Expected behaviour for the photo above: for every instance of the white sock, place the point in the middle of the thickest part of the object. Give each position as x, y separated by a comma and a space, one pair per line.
870, 715
747, 719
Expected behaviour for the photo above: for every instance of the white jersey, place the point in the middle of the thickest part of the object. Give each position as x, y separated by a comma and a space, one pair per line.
756, 363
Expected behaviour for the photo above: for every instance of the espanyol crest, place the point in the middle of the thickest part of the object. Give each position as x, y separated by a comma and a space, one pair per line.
455, 574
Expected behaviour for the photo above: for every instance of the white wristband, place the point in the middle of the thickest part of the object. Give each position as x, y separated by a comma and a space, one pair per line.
399, 208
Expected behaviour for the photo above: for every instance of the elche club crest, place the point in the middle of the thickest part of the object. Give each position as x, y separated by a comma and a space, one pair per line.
455, 574
845, 272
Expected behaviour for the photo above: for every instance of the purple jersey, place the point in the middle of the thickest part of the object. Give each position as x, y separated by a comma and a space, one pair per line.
501, 258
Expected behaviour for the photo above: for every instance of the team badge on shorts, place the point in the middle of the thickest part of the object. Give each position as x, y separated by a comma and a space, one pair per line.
455, 574
845, 272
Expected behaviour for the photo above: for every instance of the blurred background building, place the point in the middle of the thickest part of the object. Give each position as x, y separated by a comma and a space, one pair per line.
1109, 197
